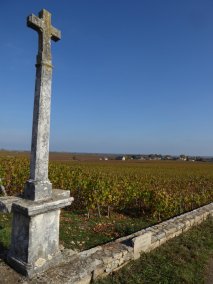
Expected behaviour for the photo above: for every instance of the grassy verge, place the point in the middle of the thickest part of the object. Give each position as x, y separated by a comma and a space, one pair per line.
5, 230
80, 233
181, 260
77, 232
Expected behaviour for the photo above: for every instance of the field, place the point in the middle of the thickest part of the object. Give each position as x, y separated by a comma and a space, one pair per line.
114, 198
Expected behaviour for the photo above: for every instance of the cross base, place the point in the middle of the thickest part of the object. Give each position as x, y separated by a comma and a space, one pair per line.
38, 190
31, 269
35, 233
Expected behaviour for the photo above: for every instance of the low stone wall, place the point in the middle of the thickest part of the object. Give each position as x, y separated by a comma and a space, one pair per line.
167, 230
102, 260
83, 267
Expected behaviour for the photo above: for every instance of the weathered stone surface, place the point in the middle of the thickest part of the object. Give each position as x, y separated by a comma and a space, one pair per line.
160, 234
31, 208
38, 187
60, 198
90, 252
38, 190
141, 244
35, 233
6, 203
35, 230
170, 229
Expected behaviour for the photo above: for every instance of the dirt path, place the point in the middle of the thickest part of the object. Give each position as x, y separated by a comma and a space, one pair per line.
209, 272
8, 275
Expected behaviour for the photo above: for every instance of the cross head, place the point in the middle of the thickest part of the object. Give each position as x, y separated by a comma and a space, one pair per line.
42, 24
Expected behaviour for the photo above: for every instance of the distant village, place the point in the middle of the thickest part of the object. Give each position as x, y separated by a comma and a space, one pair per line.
66, 156
158, 157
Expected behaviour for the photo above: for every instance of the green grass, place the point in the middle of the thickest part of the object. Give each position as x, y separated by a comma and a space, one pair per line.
79, 233
181, 260
5, 230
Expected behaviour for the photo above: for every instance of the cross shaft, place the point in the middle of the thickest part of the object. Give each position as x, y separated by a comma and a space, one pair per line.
38, 187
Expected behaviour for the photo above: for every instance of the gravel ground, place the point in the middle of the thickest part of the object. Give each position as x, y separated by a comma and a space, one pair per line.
209, 272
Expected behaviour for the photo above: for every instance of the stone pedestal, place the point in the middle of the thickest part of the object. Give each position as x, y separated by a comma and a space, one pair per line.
35, 233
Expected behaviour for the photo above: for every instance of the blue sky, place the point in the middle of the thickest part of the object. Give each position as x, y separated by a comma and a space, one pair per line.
129, 76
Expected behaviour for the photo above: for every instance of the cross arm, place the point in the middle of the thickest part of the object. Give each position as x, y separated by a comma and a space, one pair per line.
55, 34
34, 22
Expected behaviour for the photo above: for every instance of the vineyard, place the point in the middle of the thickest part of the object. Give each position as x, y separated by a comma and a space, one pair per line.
158, 189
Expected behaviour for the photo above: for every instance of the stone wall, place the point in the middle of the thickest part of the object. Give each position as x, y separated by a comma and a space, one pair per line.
83, 267
102, 260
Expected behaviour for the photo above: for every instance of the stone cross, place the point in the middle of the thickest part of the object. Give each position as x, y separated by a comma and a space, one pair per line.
35, 229
38, 187
46, 31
